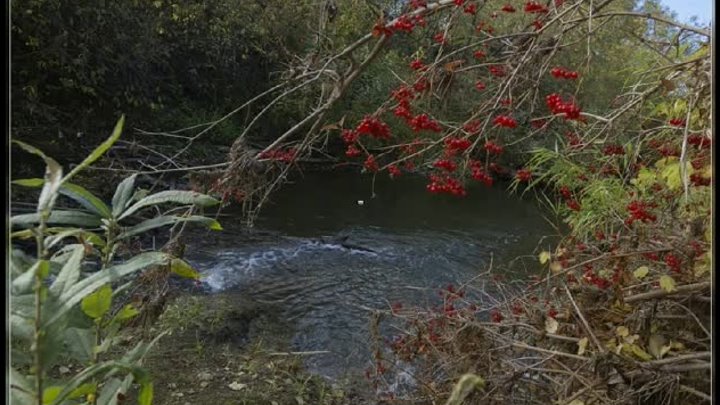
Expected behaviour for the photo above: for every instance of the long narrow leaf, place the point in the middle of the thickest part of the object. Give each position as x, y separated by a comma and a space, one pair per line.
77, 193
99, 151
63, 217
70, 272
53, 179
122, 195
168, 220
73, 295
172, 196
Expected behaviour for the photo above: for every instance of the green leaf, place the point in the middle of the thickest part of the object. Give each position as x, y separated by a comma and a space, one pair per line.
36, 182
645, 178
76, 218
23, 284
667, 283
464, 387
70, 272
80, 343
168, 220
99, 151
87, 286
544, 257
63, 233
172, 196
50, 393
641, 272
146, 394
122, 196
127, 312
98, 303
86, 199
53, 178
90, 372
183, 269
83, 390
108, 394
77, 193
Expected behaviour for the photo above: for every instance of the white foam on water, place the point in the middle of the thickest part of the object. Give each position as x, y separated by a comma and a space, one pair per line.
236, 266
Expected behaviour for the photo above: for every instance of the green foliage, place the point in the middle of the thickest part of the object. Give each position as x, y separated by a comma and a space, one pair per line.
49, 315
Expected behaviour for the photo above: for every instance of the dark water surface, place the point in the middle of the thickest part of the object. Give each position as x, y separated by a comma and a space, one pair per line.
415, 239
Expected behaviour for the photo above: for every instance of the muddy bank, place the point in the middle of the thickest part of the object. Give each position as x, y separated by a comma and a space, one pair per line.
224, 349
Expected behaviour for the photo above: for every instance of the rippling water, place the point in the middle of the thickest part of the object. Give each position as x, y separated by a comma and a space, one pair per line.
409, 244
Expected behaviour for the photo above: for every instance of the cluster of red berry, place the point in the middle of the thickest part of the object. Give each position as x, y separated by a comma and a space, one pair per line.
535, 7
472, 127
573, 139
424, 122
478, 173
592, 278
403, 23
508, 8
677, 122
493, 148
698, 180
700, 141
440, 38
523, 175
470, 9
673, 262
497, 71
394, 171
505, 121
445, 164
352, 151
371, 164
455, 145
561, 73
558, 106
613, 149
639, 212
417, 64
570, 201
480, 86
479, 54
447, 185
374, 127
350, 136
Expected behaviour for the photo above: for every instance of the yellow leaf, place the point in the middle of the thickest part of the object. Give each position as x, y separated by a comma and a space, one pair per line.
582, 345
556, 267
656, 343
637, 351
631, 339
645, 178
677, 346
544, 257
622, 331
664, 350
576, 402
702, 266
667, 283
707, 173
551, 325
641, 272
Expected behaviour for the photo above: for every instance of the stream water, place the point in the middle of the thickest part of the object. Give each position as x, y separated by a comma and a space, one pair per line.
404, 245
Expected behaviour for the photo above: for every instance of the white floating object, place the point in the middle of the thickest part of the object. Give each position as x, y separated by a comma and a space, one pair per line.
360, 202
